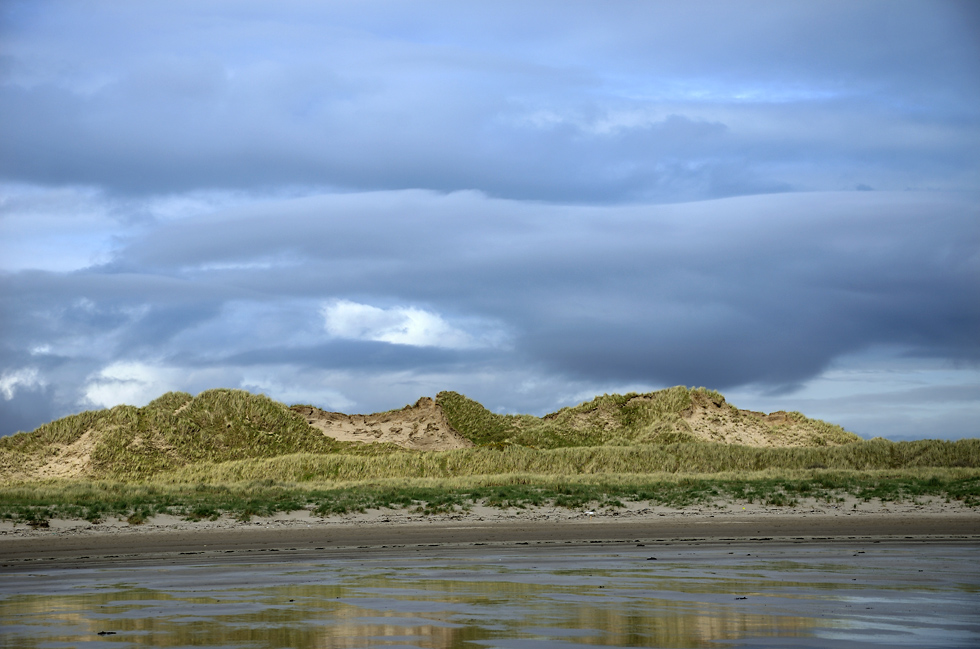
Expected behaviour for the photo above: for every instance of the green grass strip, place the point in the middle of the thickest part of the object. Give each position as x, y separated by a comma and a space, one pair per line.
36, 503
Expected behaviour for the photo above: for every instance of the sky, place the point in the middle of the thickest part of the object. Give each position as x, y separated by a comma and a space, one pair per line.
353, 205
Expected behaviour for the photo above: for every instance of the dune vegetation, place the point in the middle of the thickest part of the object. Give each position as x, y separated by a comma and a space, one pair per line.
229, 451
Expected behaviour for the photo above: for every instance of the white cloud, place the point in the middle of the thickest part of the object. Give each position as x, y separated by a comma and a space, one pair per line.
132, 383
25, 377
399, 326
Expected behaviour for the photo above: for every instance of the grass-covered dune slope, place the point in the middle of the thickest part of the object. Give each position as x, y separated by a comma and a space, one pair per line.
178, 430
232, 435
172, 431
228, 451
673, 415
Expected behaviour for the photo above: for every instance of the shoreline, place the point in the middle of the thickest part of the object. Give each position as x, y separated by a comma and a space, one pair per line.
76, 543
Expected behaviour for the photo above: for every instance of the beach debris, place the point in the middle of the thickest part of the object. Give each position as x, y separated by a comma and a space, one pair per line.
106, 633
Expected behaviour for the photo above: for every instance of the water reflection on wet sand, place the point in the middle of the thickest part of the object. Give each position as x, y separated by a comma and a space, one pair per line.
624, 596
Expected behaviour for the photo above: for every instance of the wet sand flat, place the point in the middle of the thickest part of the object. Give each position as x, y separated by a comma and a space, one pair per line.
841, 592
186, 541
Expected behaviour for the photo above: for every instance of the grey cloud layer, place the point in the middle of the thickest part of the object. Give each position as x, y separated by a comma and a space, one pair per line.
752, 289
657, 102
764, 289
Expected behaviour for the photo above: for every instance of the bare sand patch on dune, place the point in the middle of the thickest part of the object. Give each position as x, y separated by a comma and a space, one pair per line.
62, 461
719, 421
421, 427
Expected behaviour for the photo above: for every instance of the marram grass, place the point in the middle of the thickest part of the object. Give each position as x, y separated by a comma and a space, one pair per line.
231, 452
693, 457
35, 503
613, 420
217, 426
175, 430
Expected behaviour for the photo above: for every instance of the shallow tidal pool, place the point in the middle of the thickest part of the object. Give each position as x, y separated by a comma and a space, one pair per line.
622, 595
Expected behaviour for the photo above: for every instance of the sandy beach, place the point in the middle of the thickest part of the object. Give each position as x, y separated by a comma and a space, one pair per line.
813, 576
387, 530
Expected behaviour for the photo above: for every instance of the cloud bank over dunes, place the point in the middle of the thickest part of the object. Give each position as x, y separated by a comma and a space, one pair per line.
356, 205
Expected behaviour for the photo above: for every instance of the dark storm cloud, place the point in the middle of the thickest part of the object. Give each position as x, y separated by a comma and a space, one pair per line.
764, 290
756, 289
